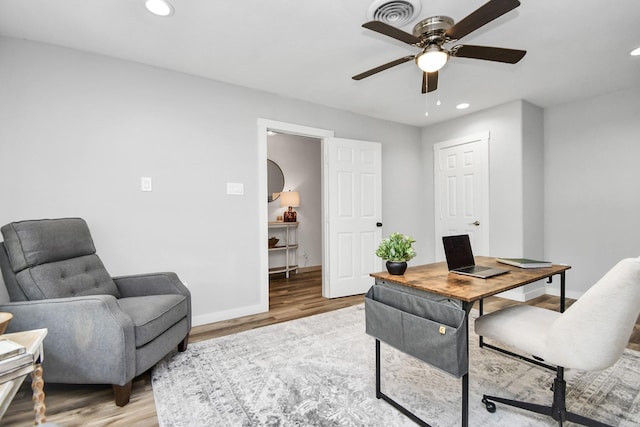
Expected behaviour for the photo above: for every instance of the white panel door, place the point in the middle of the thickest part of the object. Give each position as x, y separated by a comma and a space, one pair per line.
353, 209
462, 192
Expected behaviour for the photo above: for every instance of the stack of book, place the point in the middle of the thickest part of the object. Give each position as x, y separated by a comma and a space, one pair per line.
524, 262
14, 359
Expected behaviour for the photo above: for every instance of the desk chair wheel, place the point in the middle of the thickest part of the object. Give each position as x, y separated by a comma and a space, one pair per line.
491, 407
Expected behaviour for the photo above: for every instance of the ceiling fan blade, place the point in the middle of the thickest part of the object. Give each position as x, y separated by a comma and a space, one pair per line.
499, 54
393, 32
382, 67
432, 81
483, 15
429, 82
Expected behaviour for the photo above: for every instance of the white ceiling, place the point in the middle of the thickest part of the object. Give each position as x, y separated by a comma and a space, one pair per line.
309, 49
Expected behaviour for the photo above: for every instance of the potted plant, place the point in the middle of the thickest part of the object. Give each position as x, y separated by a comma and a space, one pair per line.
396, 249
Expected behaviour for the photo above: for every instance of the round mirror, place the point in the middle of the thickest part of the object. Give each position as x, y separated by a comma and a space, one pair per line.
275, 180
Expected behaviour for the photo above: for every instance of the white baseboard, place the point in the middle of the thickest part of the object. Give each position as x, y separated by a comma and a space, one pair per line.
229, 314
552, 290
310, 269
522, 295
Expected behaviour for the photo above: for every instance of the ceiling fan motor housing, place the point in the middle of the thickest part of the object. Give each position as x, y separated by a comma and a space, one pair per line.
433, 28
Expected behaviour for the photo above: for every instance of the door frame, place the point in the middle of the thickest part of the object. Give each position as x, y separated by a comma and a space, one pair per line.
263, 211
483, 138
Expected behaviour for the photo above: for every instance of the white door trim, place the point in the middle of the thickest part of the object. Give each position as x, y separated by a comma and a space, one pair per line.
483, 139
263, 211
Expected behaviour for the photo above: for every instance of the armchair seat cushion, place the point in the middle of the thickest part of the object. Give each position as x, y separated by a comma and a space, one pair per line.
152, 315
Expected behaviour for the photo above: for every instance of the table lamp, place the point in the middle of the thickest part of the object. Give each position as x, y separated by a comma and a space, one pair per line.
290, 199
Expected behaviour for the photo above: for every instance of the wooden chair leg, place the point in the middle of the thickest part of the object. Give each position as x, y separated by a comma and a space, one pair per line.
182, 346
122, 393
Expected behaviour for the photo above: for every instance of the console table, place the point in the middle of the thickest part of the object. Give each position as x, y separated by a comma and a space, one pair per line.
425, 286
11, 381
287, 232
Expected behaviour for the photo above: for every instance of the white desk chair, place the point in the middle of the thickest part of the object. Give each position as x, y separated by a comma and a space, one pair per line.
590, 335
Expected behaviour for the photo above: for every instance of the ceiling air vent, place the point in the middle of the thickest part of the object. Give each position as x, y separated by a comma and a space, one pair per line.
394, 12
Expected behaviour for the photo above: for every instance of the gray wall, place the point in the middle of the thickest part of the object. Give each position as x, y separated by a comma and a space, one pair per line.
590, 195
77, 131
592, 186
504, 124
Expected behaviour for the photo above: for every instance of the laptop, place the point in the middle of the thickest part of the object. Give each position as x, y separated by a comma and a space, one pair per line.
460, 260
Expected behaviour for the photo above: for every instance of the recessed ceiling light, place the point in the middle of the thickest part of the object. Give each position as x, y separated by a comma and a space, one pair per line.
635, 52
159, 7
462, 106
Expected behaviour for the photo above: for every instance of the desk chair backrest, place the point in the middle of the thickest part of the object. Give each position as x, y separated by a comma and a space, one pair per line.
592, 334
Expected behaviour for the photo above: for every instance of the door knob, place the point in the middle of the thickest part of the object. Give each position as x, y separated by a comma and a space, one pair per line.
378, 224
476, 223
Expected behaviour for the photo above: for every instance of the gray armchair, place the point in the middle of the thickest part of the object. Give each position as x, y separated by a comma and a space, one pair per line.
102, 330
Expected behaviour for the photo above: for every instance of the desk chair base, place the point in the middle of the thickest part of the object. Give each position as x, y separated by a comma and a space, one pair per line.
557, 411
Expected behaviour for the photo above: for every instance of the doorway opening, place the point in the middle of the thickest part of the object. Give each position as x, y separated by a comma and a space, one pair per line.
294, 168
266, 211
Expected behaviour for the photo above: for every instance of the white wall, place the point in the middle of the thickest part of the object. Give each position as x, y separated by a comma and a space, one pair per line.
592, 186
78, 131
300, 159
533, 180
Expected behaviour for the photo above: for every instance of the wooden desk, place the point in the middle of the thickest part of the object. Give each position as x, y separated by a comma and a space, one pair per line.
10, 383
436, 279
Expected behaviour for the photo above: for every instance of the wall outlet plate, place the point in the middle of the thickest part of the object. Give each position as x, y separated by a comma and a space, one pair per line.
146, 183
235, 188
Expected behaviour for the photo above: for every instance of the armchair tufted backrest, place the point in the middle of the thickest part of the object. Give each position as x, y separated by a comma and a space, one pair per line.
53, 258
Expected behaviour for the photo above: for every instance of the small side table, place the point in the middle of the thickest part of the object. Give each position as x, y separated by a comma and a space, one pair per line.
11, 382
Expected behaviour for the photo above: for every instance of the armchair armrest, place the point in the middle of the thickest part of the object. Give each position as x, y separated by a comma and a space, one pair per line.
90, 339
153, 284
139, 285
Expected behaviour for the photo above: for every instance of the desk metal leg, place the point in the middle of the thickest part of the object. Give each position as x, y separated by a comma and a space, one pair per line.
465, 378
378, 393
381, 395
481, 312
562, 292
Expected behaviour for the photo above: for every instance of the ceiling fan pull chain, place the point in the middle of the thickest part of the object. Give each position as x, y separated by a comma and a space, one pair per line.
426, 108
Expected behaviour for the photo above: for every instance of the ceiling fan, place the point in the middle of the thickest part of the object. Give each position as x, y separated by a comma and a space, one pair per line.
431, 34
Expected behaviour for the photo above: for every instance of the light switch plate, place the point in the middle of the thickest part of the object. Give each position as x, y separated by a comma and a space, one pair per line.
235, 188
146, 183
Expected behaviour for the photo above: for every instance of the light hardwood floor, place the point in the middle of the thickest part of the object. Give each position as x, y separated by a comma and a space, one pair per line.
299, 296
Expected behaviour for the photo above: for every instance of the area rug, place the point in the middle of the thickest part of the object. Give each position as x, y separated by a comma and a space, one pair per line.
320, 371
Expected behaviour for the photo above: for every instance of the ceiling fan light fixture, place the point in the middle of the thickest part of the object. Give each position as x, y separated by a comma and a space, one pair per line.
159, 7
635, 52
432, 59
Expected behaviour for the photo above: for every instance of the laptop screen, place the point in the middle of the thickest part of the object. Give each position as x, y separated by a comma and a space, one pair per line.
457, 249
